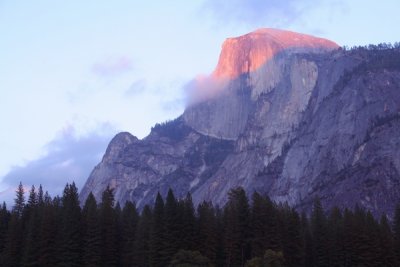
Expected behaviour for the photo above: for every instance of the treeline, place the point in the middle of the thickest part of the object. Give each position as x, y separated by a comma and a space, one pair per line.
372, 47
45, 231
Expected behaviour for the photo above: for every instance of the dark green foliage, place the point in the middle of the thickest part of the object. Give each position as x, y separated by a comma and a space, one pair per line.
108, 229
386, 255
12, 249
143, 237
188, 233
129, 221
264, 223
207, 230
308, 260
174, 129
49, 228
31, 250
187, 258
237, 237
336, 238
319, 231
56, 232
271, 258
70, 237
91, 233
396, 232
292, 238
157, 240
19, 201
173, 226
4, 220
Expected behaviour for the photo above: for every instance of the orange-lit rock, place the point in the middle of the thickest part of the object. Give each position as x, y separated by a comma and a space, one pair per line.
249, 52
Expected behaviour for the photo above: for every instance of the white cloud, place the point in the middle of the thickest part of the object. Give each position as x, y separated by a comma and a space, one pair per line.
112, 66
68, 158
272, 13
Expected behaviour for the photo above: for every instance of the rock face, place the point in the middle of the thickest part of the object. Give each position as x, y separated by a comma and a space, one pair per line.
292, 116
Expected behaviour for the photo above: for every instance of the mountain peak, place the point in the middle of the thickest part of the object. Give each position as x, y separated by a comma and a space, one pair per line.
249, 52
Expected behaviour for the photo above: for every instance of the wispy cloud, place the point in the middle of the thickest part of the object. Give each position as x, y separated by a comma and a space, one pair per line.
68, 158
112, 66
272, 13
136, 88
203, 88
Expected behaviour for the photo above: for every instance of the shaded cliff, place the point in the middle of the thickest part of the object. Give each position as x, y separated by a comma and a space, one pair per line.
294, 117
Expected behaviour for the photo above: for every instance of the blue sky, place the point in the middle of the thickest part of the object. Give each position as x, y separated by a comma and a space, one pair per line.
75, 73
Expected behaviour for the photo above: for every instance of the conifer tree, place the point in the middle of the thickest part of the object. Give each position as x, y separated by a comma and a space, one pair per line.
308, 245
188, 234
50, 221
14, 238
32, 223
129, 223
92, 237
319, 234
157, 241
293, 241
108, 228
172, 226
336, 238
4, 221
371, 249
236, 216
19, 201
396, 232
118, 234
386, 257
142, 240
207, 230
349, 238
260, 216
40, 196
71, 232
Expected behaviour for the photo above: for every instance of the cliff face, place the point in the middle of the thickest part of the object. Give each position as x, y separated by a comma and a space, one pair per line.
293, 117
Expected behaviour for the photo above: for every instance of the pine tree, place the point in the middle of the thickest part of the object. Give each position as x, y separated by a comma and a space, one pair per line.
319, 234
50, 221
293, 242
13, 250
130, 218
396, 232
207, 230
71, 233
260, 221
142, 240
19, 201
349, 238
188, 235
172, 226
236, 214
308, 245
371, 253
40, 196
32, 223
92, 237
386, 257
4, 222
108, 228
157, 241
336, 238
118, 234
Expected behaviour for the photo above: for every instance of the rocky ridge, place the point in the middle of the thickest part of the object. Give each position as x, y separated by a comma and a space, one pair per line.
294, 117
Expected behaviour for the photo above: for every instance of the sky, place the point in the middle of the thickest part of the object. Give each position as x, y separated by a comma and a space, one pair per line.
75, 73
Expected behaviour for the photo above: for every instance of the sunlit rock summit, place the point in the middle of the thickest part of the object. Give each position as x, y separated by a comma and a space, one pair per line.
286, 114
248, 53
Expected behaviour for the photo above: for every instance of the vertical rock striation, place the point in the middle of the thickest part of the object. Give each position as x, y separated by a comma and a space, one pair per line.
286, 114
